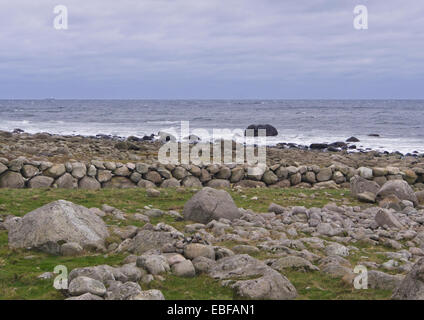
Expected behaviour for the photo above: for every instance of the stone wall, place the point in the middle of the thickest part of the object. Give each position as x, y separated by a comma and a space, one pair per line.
96, 174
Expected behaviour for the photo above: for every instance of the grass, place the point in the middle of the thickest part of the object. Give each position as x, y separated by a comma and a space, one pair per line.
19, 268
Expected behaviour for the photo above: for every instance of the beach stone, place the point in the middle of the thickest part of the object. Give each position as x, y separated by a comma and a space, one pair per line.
146, 240
191, 182
146, 184
269, 177
40, 182
385, 218
79, 170
154, 264
400, 189
365, 173
210, 204
170, 183
28, 171
277, 209
12, 180
410, 176
268, 283
89, 183
281, 184
59, 221
194, 250
104, 175
135, 177
310, 177
153, 193
282, 172
204, 175
360, 185
122, 291
203, 264
255, 173
237, 174
154, 177
293, 262
141, 168
380, 180
366, 197
55, 171
295, 179
412, 287
184, 269
82, 285
4, 168
17, 164
122, 172
223, 173
383, 281
218, 183
420, 196
179, 173
119, 183
338, 177
65, 182
324, 174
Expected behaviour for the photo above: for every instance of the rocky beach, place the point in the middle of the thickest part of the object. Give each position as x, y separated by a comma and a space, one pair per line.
294, 229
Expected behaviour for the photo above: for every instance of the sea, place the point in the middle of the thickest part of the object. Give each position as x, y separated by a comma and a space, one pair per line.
383, 125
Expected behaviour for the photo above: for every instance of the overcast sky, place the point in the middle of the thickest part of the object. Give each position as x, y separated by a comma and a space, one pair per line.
212, 49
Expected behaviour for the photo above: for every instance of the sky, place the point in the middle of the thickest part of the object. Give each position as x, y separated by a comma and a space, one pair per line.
212, 49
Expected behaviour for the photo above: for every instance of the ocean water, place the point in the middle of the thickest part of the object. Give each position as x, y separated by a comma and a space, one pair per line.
400, 123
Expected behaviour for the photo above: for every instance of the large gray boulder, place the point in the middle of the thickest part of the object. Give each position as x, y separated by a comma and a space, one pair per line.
263, 282
400, 189
412, 287
59, 221
360, 185
210, 204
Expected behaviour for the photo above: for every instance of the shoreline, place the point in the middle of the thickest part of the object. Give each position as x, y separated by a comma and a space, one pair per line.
350, 144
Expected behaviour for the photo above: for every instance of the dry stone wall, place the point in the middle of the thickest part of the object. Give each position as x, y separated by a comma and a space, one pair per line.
96, 174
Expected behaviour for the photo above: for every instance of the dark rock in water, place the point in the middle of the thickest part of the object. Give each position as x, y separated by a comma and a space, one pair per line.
270, 130
103, 136
133, 139
353, 139
333, 149
338, 144
18, 131
148, 138
352, 146
318, 146
373, 135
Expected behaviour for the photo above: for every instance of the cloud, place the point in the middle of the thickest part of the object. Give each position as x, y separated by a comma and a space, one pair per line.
191, 48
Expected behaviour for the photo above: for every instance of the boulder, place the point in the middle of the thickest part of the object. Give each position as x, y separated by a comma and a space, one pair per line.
385, 218
89, 183
270, 131
82, 285
66, 181
250, 184
152, 263
11, 179
55, 171
412, 287
194, 250
191, 182
383, 281
59, 221
218, 184
170, 183
324, 174
210, 204
119, 183
184, 269
400, 189
146, 240
360, 185
40, 182
266, 283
